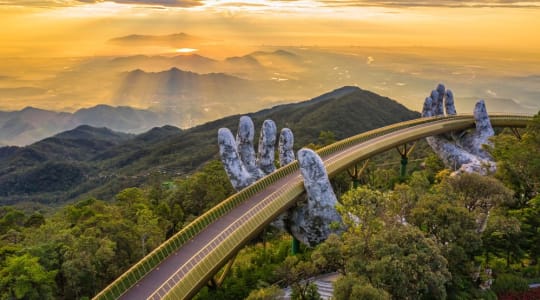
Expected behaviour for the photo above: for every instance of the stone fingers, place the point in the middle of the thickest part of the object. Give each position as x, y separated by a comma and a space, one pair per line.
462, 151
286, 143
449, 103
438, 97
483, 131
239, 177
267, 142
244, 143
311, 223
427, 110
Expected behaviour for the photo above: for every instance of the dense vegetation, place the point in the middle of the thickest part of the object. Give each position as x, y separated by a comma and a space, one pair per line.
76, 251
427, 236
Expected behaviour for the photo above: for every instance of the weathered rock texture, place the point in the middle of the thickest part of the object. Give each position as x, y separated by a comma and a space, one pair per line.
462, 152
239, 177
244, 141
267, 142
310, 221
286, 143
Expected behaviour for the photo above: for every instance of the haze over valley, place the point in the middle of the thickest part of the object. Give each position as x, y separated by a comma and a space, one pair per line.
190, 62
189, 89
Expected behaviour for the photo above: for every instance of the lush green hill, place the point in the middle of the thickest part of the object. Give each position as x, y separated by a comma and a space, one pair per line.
101, 163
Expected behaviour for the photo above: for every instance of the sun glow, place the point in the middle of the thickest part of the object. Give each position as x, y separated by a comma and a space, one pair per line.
185, 50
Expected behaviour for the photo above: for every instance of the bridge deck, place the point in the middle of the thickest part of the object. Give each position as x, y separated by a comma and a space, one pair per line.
145, 288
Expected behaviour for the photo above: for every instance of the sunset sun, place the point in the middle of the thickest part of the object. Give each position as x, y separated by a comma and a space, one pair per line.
185, 50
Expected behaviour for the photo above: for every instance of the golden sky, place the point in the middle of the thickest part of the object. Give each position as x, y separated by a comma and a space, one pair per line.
83, 27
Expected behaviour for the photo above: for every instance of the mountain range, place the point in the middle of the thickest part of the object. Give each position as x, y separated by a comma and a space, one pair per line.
175, 40
174, 96
185, 90
32, 124
89, 161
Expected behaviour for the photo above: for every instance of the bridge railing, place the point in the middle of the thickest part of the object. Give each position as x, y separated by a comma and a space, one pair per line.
154, 258
362, 137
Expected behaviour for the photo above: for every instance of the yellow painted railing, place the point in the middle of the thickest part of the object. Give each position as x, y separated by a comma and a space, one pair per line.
257, 218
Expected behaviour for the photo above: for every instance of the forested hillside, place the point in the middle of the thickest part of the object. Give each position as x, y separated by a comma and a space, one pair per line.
98, 162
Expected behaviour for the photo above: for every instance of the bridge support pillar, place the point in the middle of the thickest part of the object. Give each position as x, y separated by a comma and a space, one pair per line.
216, 283
404, 151
355, 173
295, 246
403, 168
516, 132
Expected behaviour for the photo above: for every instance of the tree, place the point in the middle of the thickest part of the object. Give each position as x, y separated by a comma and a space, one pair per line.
405, 196
353, 287
325, 138
131, 199
296, 273
394, 256
479, 194
454, 229
529, 217
202, 190
328, 257
11, 219
272, 292
502, 237
148, 230
518, 163
408, 265
383, 179
364, 211
23, 277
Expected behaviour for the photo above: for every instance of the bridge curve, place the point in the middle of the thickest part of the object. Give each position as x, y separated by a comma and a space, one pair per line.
179, 267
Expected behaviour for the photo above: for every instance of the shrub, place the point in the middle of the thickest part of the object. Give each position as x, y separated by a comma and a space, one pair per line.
508, 283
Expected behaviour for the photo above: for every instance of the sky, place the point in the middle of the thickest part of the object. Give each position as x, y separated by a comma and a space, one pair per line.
68, 28
51, 50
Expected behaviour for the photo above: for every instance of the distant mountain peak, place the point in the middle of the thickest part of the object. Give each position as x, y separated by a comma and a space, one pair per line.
99, 106
246, 59
174, 71
338, 93
284, 52
32, 109
122, 58
137, 37
88, 132
174, 39
279, 52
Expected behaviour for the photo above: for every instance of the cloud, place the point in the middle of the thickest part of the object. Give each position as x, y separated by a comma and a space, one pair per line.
67, 3
370, 60
328, 3
241, 4
432, 3
37, 3
168, 3
491, 93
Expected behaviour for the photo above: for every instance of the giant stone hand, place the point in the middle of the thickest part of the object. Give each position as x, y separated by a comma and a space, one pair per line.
238, 156
310, 221
462, 151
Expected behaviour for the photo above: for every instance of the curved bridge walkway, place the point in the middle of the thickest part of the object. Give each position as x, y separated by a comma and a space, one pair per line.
179, 267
